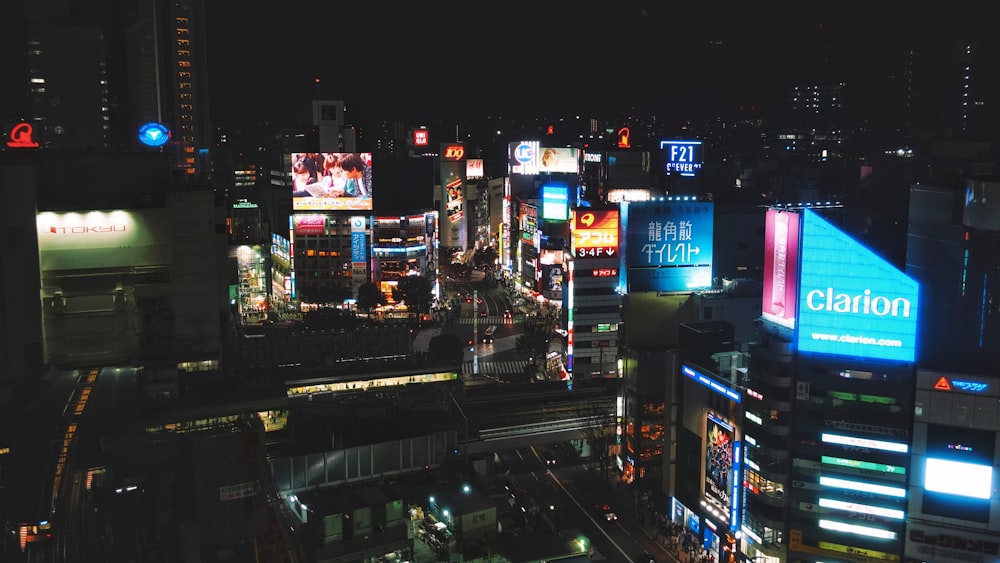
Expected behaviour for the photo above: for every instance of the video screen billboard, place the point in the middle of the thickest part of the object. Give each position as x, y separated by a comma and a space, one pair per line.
529, 158
781, 263
668, 245
959, 472
852, 302
553, 278
718, 463
555, 202
595, 233
559, 160
331, 181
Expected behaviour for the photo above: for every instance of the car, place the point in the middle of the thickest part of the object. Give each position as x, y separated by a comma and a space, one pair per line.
548, 457
507, 315
468, 299
484, 313
605, 513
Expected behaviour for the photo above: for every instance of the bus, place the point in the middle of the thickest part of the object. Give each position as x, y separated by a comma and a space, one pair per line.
488, 334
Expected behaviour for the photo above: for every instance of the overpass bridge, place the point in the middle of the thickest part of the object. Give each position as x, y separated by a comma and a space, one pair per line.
510, 416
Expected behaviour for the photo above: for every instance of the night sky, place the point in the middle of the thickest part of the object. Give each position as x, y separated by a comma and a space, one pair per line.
451, 61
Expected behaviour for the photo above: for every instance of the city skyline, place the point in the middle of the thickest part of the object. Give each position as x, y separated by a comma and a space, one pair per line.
440, 62
560, 59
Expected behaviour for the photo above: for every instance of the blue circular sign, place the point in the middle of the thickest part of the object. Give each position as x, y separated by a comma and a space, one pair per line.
523, 153
154, 134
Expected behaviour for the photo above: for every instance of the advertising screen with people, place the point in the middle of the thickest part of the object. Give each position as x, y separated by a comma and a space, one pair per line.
331, 181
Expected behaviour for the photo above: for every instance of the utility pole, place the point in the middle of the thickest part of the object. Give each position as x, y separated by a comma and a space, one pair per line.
466, 434
475, 332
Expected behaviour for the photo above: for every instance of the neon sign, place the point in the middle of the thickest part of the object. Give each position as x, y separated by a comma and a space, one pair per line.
20, 137
453, 152
595, 234
623, 138
683, 157
943, 384
154, 134
420, 137
712, 384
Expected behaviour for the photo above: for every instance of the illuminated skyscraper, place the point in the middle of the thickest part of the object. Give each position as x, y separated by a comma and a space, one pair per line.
67, 74
167, 74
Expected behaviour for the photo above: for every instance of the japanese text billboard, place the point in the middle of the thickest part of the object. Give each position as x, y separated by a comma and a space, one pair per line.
668, 245
851, 301
595, 233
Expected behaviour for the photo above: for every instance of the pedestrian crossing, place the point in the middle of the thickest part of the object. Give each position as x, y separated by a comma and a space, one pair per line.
512, 367
487, 321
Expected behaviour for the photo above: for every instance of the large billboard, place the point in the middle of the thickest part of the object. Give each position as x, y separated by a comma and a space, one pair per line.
529, 158
523, 157
555, 202
559, 160
595, 233
104, 239
719, 463
529, 222
668, 245
958, 472
331, 181
309, 224
852, 302
683, 157
781, 263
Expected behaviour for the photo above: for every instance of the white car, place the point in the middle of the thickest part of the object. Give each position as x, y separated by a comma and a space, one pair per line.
605, 513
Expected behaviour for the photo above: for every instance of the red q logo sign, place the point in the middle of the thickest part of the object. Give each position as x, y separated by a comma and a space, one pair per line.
20, 136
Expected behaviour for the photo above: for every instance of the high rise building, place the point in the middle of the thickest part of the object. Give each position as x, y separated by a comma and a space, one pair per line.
167, 73
68, 80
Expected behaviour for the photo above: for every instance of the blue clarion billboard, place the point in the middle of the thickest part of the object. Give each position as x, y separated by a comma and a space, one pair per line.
668, 245
851, 301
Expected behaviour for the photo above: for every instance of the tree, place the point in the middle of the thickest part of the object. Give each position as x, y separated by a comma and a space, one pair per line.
486, 256
446, 348
370, 297
329, 319
415, 291
534, 345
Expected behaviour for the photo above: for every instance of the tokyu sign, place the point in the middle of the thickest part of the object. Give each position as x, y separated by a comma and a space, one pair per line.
851, 301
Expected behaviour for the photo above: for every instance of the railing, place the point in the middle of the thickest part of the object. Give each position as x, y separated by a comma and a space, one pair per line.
535, 428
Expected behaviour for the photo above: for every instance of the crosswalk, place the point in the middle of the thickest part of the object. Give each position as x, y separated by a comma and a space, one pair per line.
485, 321
514, 367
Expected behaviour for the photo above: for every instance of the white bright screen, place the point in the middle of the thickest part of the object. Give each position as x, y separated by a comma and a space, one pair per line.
958, 478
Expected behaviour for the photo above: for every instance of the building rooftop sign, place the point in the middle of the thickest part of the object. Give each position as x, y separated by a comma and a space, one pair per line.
852, 302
